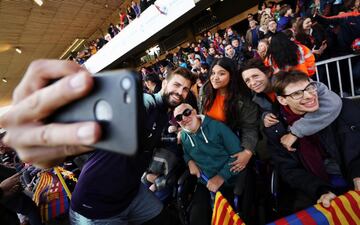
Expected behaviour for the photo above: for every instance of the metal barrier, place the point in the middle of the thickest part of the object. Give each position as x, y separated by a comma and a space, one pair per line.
339, 61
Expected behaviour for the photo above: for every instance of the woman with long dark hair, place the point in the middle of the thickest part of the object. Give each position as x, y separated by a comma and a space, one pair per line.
227, 99
285, 54
311, 35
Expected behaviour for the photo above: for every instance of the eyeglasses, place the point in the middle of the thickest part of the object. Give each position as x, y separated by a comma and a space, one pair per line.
186, 113
296, 95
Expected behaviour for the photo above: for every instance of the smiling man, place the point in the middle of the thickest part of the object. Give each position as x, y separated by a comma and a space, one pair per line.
258, 78
208, 146
324, 164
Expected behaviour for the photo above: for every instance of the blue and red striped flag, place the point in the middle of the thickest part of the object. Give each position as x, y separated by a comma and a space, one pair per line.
223, 213
57, 202
344, 210
51, 195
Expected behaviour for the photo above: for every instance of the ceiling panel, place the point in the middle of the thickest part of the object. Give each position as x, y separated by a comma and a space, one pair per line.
46, 31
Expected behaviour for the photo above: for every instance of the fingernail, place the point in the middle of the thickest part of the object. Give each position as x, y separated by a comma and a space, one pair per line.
78, 81
86, 133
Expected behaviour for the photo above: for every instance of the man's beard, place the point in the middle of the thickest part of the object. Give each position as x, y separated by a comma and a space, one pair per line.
169, 102
232, 55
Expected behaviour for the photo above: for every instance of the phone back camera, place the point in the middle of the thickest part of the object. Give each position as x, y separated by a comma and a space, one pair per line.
126, 83
103, 111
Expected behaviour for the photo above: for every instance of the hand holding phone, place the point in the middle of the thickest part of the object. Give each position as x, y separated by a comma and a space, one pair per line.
34, 99
116, 104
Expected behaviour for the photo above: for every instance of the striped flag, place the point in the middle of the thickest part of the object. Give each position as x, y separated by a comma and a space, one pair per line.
344, 210
51, 195
57, 202
44, 181
223, 213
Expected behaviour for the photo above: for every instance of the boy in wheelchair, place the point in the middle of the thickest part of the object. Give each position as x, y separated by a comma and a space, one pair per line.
208, 146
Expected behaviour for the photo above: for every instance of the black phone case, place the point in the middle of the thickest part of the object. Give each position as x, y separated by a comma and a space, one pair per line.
118, 92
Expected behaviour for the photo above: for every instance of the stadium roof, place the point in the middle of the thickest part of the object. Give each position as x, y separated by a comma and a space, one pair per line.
46, 31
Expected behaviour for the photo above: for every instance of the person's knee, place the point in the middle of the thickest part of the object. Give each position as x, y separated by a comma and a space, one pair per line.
200, 210
163, 218
200, 214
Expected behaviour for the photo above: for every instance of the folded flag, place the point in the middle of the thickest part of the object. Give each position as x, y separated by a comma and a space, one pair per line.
223, 213
344, 210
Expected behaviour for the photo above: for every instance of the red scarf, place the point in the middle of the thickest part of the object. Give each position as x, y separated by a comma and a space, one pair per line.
310, 151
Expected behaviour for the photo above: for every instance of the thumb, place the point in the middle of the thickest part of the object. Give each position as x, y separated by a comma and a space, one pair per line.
291, 149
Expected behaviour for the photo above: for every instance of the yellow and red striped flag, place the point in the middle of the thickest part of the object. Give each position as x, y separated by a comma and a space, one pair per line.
44, 182
223, 213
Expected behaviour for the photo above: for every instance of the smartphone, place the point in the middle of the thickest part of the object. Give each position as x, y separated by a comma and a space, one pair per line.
116, 103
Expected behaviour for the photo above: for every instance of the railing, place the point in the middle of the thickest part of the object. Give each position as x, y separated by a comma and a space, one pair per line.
337, 66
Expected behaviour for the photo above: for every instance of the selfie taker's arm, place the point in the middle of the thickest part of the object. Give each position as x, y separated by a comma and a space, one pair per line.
44, 145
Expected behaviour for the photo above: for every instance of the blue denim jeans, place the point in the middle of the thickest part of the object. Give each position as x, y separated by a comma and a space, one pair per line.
144, 207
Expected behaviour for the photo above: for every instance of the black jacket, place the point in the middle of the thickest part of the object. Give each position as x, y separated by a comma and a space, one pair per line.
341, 140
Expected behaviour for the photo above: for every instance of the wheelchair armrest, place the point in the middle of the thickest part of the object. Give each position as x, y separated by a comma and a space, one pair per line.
183, 177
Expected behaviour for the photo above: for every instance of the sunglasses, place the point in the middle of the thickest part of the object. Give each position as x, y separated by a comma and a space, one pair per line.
186, 112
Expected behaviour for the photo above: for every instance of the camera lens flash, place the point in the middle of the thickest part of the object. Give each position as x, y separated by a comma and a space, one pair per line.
127, 98
103, 111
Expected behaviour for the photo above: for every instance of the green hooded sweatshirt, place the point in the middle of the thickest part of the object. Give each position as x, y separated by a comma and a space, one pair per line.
211, 147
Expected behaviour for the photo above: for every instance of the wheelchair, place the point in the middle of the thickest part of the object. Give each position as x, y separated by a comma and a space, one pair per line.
242, 201
168, 167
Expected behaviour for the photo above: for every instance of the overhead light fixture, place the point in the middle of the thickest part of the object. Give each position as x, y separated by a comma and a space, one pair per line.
18, 50
39, 2
4, 80
75, 45
208, 9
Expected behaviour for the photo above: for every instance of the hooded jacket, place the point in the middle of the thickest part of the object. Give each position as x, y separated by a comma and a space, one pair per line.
211, 147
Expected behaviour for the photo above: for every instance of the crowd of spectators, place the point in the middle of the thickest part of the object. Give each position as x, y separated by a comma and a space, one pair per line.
126, 16
325, 32
247, 80
279, 38
19, 182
